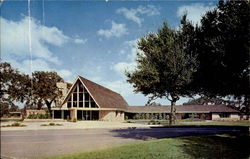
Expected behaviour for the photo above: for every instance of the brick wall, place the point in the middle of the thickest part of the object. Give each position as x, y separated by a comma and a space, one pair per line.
111, 115
28, 112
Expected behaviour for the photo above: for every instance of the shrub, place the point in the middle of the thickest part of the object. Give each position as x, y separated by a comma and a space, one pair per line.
47, 116
126, 117
16, 124
160, 116
52, 124
39, 116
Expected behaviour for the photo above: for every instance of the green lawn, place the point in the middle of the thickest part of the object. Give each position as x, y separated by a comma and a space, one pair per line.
222, 123
10, 119
206, 147
199, 123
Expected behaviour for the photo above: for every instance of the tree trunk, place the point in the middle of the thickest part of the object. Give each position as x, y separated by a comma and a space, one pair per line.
39, 104
172, 111
247, 105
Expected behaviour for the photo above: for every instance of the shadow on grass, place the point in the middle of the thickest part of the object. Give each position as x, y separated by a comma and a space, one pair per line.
179, 131
217, 146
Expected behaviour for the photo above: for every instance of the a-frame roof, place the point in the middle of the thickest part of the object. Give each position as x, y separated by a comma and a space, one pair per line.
104, 97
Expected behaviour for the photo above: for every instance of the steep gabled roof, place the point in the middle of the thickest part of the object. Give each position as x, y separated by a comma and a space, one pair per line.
104, 97
182, 109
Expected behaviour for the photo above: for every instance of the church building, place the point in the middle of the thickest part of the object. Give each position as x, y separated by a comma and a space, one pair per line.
86, 100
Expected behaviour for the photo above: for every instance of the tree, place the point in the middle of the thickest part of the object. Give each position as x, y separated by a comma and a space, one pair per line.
45, 89
223, 51
164, 69
14, 87
205, 101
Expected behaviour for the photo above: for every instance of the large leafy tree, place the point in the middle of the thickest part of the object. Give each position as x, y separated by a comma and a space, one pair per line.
205, 101
44, 89
223, 51
164, 69
34, 92
14, 87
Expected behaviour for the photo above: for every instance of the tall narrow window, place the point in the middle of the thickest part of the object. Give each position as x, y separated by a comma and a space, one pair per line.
80, 97
80, 87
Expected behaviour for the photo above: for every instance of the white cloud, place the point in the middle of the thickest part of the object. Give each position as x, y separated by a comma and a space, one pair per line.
66, 74
120, 86
129, 62
135, 14
80, 41
194, 11
39, 65
121, 67
15, 39
116, 30
15, 46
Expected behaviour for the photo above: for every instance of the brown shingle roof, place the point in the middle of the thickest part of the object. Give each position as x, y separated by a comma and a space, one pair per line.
181, 109
104, 97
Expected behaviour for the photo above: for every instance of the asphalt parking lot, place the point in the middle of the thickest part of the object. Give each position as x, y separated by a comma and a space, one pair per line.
42, 143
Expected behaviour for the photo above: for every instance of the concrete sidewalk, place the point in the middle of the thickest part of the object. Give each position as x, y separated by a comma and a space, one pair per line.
72, 125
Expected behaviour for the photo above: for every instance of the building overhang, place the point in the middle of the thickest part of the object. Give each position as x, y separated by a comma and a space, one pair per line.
107, 109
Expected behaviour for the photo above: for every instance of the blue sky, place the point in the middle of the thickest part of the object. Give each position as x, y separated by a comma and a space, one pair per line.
94, 39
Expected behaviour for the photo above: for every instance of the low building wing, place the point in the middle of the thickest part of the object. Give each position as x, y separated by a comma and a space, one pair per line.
182, 109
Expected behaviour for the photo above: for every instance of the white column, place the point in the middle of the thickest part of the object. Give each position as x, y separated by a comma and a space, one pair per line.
83, 97
77, 95
62, 114
82, 114
72, 100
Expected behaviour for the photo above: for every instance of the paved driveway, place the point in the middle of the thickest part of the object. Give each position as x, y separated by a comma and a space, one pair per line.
41, 143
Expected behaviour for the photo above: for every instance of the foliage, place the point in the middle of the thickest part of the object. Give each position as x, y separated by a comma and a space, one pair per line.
36, 91
154, 122
205, 101
148, 116
152, 104
45, 89
164, 67
14, 87
16, 124
51, 124
39, 116
222, 46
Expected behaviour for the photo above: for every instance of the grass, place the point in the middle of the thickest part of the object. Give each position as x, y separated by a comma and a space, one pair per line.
195, 123
215, 123
16, 124
10, 119
205, 147
51, 124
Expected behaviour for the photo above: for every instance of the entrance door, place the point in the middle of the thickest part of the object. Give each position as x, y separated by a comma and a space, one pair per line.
66, 115
79, 115
87, 115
